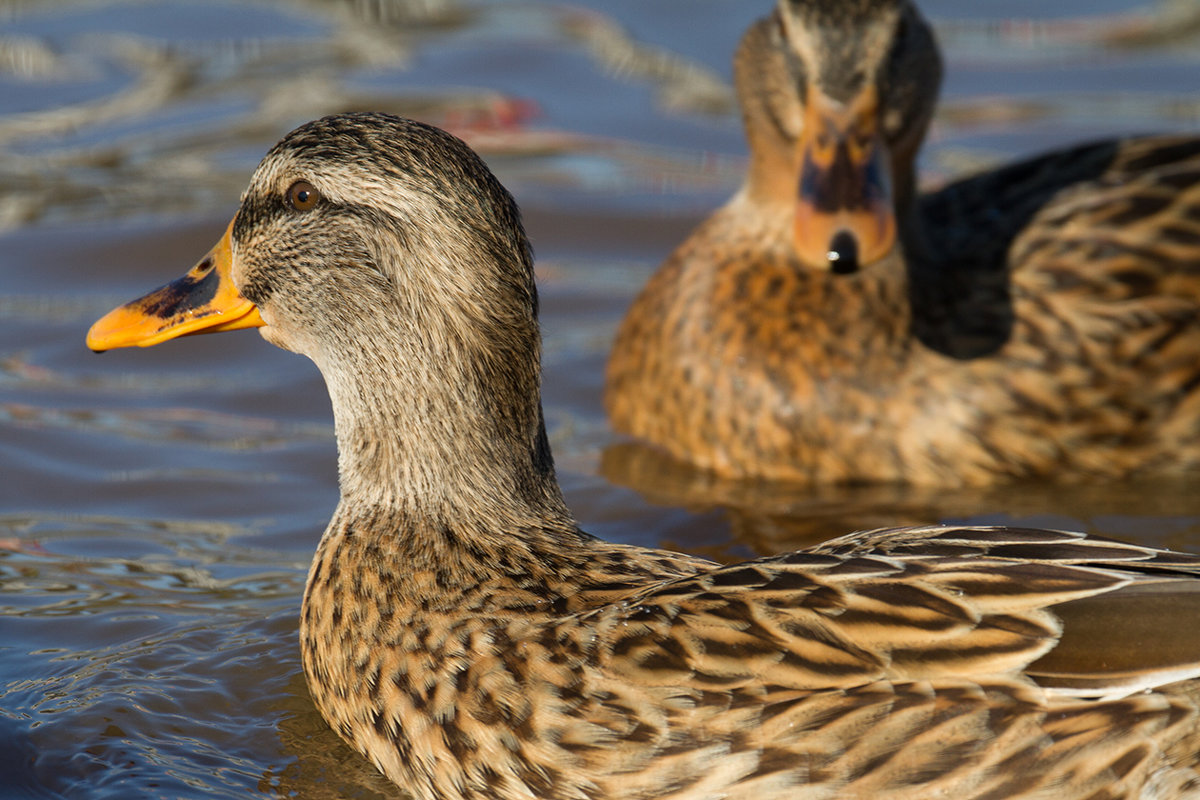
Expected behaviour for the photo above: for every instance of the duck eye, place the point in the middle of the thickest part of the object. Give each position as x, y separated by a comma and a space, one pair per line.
302, 196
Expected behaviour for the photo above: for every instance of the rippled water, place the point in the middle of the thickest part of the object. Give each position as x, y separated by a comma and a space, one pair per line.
158, 508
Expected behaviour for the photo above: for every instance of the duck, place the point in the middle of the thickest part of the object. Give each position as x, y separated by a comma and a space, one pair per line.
461, 631
832, 325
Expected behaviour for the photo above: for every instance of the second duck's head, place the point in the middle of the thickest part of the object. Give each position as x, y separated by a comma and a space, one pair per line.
836, 97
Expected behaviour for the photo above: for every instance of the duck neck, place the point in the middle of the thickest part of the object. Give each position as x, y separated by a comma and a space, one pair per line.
455, 437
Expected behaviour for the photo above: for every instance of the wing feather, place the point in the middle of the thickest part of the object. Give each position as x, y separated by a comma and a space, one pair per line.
1095, 617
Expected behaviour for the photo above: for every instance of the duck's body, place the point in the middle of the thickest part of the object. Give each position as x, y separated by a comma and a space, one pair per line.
828, 673
462, 632
1040, 320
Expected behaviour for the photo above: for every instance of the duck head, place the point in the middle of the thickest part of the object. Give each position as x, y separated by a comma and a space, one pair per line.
347, 228
388, 253
836, 97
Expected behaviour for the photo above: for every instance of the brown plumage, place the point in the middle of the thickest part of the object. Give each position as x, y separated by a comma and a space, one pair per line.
829, 325
462, 632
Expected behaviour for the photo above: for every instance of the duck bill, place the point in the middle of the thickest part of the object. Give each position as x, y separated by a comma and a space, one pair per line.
202, 301
845, 213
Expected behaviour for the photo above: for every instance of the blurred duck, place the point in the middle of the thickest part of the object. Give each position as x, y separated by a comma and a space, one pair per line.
462, 632
829, 324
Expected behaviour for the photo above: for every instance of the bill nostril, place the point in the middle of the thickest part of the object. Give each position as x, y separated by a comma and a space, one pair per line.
204, 267
843, 253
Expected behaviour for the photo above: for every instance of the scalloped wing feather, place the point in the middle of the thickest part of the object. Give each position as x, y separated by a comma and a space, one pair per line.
920, 604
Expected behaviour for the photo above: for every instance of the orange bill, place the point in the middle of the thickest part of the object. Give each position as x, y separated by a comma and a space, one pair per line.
845, 216
202, 301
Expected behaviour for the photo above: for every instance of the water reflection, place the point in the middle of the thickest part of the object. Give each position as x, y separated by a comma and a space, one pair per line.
174, 107
768, 517
325, 768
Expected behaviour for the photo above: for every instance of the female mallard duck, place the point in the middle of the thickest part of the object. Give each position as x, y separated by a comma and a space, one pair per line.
828, 325
460, 630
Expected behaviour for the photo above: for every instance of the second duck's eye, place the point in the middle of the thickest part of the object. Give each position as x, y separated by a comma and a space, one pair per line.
302, 196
